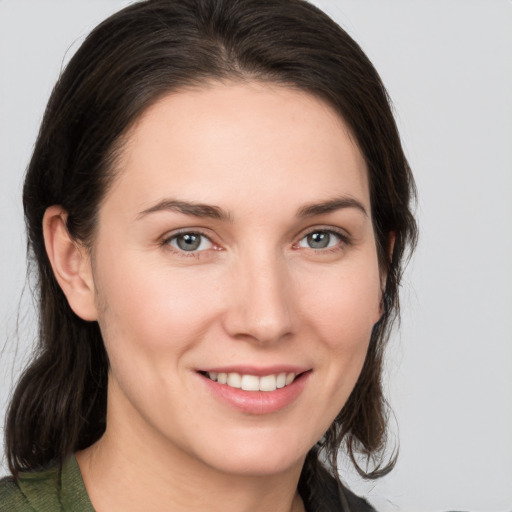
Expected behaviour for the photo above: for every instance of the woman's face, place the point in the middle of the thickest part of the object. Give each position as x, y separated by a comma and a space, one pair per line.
236, 244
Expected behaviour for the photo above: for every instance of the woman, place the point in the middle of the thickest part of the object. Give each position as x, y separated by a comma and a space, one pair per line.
218, 205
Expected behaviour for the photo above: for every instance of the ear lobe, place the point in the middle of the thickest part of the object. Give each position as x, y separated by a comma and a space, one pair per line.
71, 264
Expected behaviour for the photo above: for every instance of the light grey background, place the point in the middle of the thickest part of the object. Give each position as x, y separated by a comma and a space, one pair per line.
448, 67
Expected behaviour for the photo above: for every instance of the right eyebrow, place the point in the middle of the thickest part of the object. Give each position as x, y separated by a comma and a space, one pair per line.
187, 208
337, 203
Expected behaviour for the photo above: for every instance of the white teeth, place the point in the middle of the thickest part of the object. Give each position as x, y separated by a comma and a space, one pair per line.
234, 380
267, 383
252, 382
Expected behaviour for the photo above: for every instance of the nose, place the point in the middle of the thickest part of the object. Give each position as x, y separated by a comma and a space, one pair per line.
260, 304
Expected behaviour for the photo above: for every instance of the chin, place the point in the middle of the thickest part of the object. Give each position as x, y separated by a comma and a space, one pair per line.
258, 455
261, 464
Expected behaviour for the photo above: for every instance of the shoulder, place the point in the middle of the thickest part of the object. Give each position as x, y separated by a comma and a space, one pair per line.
54, 489
11, 497
35, 491
355, 503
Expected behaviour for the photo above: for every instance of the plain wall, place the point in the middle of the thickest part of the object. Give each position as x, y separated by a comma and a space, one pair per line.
448, 68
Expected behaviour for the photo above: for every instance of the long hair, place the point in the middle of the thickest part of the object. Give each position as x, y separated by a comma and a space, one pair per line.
126, 64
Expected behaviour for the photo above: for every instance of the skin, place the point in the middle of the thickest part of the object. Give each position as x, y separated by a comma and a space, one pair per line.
254, 293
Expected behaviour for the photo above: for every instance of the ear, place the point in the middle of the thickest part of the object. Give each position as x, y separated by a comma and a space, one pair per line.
71, 264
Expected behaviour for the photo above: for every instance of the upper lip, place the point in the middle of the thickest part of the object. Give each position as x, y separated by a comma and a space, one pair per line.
259, 371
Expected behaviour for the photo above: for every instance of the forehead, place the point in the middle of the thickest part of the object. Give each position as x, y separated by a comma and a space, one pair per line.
247, 144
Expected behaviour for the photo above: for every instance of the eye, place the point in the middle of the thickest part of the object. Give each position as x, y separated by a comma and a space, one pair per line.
190, 242
320, 239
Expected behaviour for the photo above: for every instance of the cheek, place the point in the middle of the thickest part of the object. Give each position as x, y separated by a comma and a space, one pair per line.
151, 324
151, 313
346, 305
342, 313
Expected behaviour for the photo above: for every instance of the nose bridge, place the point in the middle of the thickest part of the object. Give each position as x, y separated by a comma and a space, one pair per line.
261, 307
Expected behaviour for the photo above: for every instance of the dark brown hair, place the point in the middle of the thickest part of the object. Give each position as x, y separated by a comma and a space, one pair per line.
125, 65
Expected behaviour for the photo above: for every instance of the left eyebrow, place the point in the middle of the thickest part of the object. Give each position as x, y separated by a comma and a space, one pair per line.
187, 208
338, 203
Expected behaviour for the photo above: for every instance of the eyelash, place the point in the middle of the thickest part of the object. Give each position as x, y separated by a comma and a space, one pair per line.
186, 254
343, 241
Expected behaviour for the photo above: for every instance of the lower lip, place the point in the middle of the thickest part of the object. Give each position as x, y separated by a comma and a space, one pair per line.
258, 402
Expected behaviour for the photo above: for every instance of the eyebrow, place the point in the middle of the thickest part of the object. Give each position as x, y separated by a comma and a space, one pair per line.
217, 213
187, 208
331, 205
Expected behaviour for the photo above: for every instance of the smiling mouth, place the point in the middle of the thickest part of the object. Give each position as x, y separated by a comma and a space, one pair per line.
253, 382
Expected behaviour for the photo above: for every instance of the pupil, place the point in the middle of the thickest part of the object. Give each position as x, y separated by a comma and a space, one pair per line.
318, 240
189, 242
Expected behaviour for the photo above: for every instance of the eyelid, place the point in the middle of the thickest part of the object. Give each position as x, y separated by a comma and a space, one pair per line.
345, 238
168, 237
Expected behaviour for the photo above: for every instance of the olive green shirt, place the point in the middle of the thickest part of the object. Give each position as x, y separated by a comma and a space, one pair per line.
46, 491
